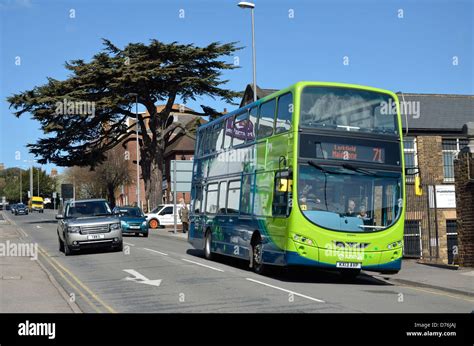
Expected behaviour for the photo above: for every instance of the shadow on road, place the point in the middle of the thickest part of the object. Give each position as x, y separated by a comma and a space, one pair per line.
39, 222
295, 273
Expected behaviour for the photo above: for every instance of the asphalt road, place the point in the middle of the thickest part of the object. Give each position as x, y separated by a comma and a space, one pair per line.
163, 274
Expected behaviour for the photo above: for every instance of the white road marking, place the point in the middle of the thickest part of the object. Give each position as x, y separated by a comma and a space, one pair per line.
38, 226
128, 243
140, 278
285, 290
161, 253
202, 265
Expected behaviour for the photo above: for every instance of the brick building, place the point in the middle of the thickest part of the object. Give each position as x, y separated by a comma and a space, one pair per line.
181, 146
432, 125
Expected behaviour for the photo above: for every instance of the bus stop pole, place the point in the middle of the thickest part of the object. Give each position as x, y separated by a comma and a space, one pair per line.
175, 211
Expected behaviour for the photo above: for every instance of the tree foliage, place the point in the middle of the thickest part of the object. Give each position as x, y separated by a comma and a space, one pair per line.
159, 73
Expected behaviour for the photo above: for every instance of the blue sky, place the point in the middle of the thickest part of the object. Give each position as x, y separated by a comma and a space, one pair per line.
411, 54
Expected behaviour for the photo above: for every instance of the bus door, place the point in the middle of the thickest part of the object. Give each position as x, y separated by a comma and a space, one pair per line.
196, 216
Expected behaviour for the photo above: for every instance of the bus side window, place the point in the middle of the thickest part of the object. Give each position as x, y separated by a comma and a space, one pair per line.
222, 197
199, 147
229, 132
211, 200
252, 124
246, 195
284, 113
233, 197
240, 129
205, 141
197, 199
265, 119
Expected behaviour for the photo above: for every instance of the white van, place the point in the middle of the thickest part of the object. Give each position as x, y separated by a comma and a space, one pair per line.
163, 215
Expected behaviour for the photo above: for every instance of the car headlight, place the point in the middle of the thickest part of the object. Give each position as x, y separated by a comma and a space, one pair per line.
144, 223
122, 223
395, 244
114, 226
74, 229
305, 240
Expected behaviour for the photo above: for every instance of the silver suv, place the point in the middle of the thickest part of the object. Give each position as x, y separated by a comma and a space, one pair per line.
88, 223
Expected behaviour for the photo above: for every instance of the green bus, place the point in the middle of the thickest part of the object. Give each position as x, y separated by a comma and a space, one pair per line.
310, 175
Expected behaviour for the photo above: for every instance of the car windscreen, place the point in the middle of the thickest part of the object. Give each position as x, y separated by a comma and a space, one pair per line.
135, 212
89, 208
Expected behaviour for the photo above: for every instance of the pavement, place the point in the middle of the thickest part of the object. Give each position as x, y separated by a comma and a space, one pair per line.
163, 273
25, 285
457, 281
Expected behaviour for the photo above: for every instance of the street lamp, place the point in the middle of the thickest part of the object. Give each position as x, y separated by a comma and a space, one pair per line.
251, 6
138, 146
31, 176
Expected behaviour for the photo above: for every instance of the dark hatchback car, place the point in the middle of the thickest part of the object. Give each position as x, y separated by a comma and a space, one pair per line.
21, 209
132, 220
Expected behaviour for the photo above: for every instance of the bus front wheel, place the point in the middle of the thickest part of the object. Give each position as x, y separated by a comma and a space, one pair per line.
207, 245
257, 256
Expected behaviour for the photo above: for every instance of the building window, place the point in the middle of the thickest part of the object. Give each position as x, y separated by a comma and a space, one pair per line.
452, 239
412, 239
451, 147
411, 157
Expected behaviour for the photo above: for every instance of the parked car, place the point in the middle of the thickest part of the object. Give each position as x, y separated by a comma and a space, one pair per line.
21, 209
163, 215
12, 208
88, 223
132, 220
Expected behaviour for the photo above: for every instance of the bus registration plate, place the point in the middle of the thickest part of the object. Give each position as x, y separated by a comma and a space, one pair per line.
351, 265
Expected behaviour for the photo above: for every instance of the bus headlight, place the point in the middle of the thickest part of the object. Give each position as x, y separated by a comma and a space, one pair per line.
395, 244
305, 240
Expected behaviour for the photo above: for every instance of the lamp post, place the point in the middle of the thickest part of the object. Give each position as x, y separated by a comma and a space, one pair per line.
31, 176
251, 6
138, 147
21, 197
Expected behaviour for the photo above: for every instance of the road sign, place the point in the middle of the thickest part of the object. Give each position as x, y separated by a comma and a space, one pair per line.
181, 175
67, 191
55, 194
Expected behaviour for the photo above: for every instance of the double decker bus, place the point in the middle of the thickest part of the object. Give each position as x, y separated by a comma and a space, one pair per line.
310, 175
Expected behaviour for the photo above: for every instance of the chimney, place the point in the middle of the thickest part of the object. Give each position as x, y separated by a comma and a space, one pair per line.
468, 130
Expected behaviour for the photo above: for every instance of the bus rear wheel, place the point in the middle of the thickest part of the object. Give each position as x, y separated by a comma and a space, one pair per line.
207, 245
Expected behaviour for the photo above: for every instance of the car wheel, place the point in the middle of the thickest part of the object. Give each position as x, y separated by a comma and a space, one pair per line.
349, 274
145, 235
207, 245
61, 244
154, 223
119, 248
257, 257
67, 249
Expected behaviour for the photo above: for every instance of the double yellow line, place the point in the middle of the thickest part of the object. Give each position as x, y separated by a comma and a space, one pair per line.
74, 282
